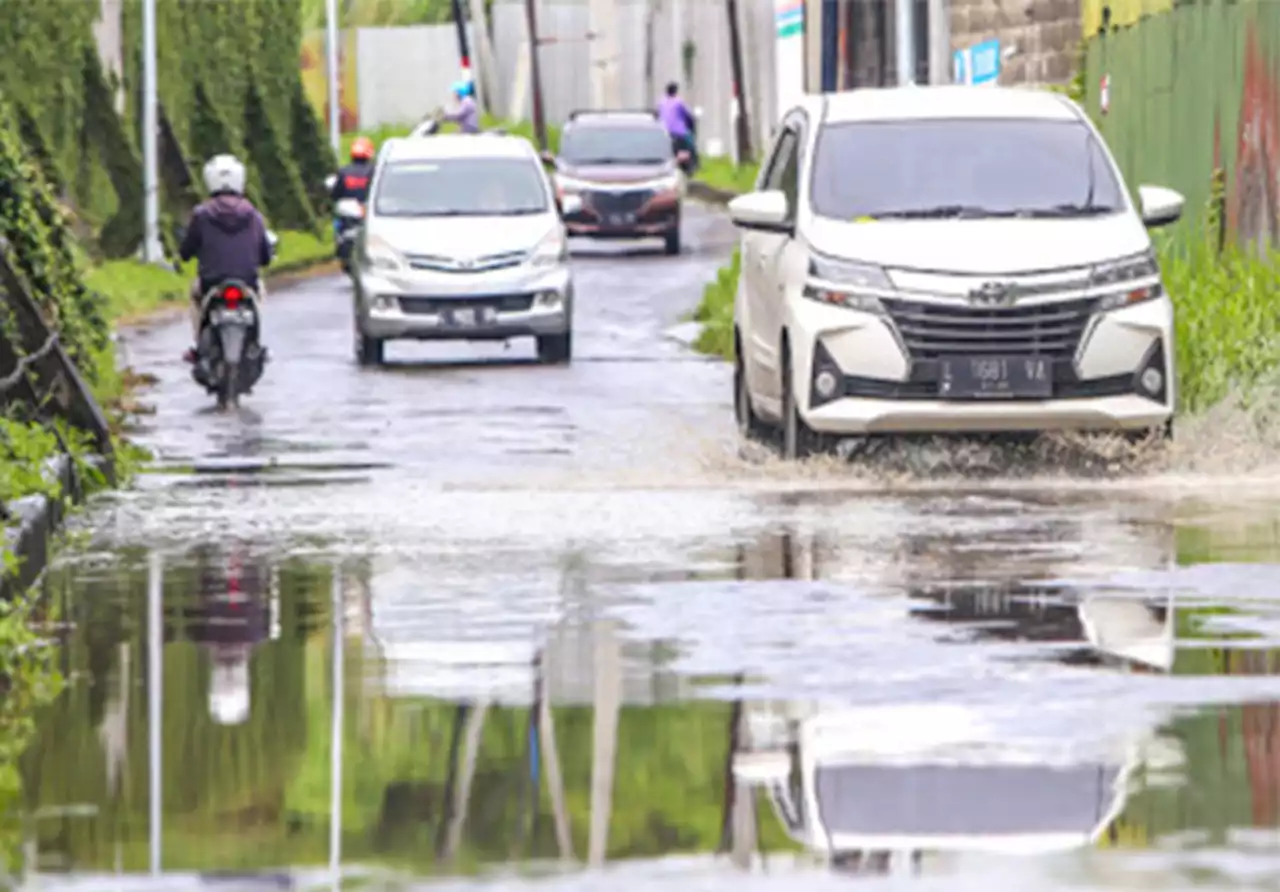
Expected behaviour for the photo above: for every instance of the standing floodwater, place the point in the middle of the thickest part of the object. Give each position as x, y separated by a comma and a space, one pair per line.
527, 624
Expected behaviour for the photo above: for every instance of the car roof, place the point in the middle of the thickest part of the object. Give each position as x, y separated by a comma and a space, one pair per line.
459, 145
608, 118
945, 101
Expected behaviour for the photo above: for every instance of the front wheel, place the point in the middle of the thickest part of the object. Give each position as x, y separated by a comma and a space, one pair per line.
369, 351
671, 241
555, 349
799, 441
750, 427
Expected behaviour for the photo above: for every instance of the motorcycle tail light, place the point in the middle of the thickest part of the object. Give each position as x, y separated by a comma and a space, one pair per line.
232, 295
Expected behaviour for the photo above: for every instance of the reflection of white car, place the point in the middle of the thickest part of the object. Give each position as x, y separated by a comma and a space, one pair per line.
926, 777
943, 259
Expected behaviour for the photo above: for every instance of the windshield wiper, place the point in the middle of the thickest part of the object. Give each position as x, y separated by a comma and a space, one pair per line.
584, 161
516, 212
945, 211
1071, 210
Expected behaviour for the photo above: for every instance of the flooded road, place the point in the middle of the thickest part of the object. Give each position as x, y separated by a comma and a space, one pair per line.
468, 620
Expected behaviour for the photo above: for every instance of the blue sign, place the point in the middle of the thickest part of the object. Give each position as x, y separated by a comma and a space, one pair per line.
977, 65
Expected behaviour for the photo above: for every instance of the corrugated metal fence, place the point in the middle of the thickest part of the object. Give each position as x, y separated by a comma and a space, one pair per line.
1192, 89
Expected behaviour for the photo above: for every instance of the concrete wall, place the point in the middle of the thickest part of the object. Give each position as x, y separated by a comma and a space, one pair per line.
1045, 34
404, 73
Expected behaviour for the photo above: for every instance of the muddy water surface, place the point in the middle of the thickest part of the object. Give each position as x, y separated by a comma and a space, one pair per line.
529, 623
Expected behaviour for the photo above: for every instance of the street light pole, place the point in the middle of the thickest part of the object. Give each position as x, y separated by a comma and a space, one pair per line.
535, 74
152, 251
335, 110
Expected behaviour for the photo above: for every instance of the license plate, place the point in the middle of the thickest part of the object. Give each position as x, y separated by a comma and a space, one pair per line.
470, 316
621, 219
995, 377
237, 315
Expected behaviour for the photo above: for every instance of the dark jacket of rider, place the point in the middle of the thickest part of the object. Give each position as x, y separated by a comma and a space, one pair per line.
353, 182
228, 237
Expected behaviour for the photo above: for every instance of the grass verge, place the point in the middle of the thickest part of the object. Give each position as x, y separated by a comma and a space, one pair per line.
1224, 310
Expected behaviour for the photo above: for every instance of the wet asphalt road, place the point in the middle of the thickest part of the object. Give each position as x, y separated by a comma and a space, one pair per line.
507, 533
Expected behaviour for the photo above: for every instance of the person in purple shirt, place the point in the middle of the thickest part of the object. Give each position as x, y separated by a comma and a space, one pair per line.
676, 117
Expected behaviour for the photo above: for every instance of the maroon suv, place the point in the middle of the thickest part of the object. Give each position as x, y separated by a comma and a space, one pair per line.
623, 166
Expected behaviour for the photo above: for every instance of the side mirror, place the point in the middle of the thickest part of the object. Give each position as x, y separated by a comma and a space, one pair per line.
761, 211
1160, 206
570, 205
761, 769
329, 181
547, 158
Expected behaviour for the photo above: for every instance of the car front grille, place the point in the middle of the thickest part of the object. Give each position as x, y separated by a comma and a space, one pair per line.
487, 263
932, 330
433, 306
609, 203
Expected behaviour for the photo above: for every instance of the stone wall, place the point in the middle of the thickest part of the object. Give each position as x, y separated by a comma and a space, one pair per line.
1043, 33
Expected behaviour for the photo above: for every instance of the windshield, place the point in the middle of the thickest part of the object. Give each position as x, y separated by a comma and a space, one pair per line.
456, 187
961, 167
615, 145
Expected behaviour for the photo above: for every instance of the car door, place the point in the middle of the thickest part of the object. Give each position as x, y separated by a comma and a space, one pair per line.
758, 353
770, 291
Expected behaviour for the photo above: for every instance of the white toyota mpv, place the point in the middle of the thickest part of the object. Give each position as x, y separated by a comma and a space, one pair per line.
948, 260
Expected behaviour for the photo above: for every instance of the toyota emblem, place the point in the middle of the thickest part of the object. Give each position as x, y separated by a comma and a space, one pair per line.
993, 294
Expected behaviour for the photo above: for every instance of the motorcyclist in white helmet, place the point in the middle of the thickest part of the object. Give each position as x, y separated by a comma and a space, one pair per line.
227, 235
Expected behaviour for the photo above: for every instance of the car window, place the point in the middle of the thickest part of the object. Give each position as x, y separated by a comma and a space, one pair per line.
771, 163
599, 144
784, 172
454, 187
961, 166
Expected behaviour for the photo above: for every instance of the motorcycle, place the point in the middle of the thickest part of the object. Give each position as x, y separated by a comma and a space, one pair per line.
229, 356
428, 127
348, 213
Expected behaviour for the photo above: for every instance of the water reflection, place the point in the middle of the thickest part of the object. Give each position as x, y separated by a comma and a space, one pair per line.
315, 714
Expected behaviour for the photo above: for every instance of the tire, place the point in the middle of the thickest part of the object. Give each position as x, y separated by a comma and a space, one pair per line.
750, 427
228, 395
555, 349
369, 351
799, 441
671, 241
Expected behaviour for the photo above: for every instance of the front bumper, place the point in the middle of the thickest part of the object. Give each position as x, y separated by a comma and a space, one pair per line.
634, 214
479, 307
888, 375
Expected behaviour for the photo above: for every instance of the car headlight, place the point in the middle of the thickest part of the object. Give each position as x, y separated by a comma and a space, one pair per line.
553, 250
846, 283
568, 185
381, 256
669, 183
1131, 280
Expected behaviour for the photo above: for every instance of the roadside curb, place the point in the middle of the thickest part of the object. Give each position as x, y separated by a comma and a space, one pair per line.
710, 194
34, 521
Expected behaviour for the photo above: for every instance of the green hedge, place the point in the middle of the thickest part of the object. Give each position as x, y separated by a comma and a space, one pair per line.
228, 80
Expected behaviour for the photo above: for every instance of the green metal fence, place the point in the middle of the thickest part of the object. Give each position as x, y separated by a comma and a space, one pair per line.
1193, 89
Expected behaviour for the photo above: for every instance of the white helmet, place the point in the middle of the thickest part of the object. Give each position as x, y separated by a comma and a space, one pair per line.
224, 173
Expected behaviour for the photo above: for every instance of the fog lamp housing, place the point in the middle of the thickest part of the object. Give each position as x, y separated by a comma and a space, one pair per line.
1152, 378
826, 382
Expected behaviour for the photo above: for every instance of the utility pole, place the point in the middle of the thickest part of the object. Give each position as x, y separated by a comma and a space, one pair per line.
535, 76
739, 85
335, 102
152, 250
486, 77
905, 30
464, 52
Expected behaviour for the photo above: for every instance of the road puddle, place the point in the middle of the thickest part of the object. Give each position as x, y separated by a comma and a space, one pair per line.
927, 686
